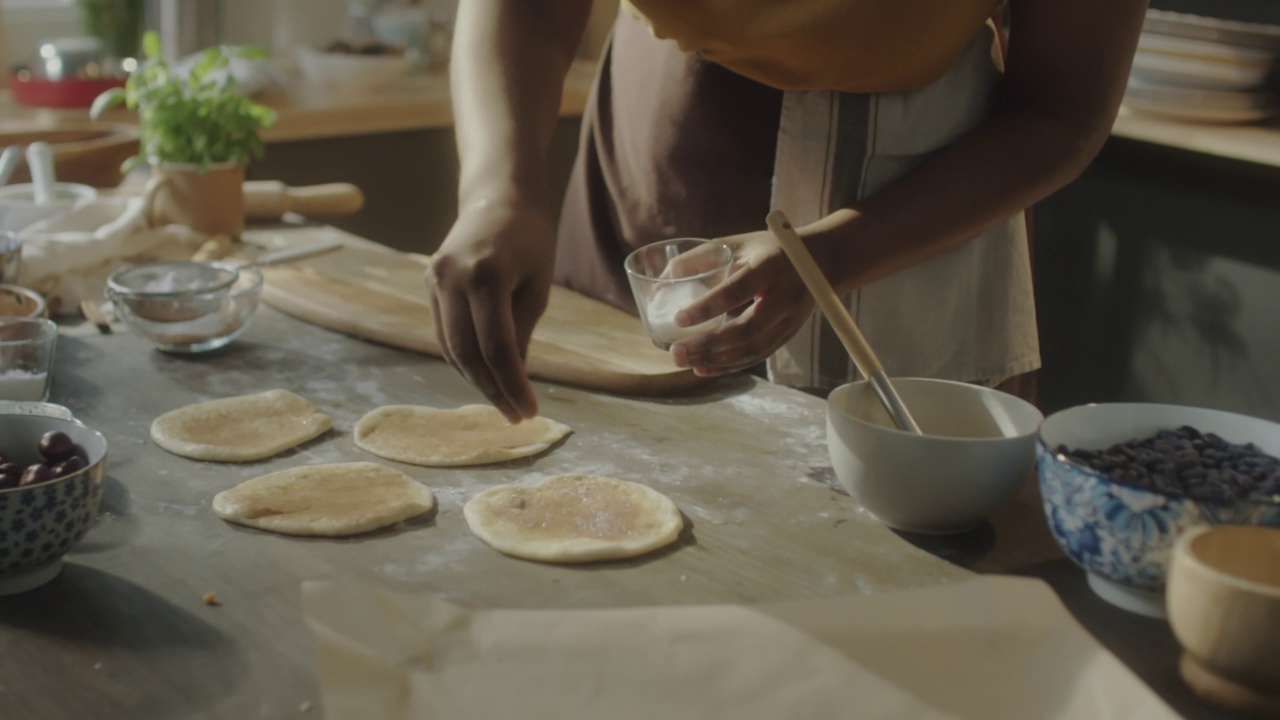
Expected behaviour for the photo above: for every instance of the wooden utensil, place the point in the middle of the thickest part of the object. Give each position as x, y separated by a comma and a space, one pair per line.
270, 199
376, 293
835, 312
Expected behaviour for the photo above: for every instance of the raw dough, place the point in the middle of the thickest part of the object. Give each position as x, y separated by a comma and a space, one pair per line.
328, 500
573, 519
241, 428
469, 435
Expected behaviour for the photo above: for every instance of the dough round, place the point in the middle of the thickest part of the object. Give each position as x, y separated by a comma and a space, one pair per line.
574, 519
469, 435
240, 429
325, 500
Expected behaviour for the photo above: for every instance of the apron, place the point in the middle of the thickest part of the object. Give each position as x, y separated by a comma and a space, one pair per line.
674, 146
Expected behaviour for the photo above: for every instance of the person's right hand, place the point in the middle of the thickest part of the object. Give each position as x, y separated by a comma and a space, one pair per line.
489, 283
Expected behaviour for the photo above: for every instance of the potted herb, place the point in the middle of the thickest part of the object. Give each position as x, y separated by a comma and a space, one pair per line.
197, 132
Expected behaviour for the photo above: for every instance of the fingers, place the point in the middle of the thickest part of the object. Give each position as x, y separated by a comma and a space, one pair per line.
501, 352
742, 342
739, 289
482, 339
704, 258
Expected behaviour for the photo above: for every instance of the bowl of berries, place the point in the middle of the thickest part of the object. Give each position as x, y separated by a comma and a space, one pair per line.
51, 469
1121, 482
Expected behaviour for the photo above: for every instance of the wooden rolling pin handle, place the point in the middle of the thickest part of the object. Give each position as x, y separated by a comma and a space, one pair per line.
835, 311
269, 199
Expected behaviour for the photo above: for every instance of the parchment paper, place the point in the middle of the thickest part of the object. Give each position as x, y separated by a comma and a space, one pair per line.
988, 648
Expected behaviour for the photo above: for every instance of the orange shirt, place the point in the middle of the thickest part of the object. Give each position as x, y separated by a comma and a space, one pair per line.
860, 46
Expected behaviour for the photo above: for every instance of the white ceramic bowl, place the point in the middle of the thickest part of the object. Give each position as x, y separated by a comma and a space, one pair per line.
1224, 608
1119, 532
352, 73
18, 208
977, 449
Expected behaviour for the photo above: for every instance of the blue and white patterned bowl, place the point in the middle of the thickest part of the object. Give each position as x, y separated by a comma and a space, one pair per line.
1121, 534
40, 523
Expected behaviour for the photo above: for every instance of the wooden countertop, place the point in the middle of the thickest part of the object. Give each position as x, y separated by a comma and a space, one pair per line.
123, 631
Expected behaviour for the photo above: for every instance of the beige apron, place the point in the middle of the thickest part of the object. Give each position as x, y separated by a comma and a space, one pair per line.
966, 315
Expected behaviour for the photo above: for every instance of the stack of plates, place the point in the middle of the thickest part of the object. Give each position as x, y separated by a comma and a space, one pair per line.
1204, 69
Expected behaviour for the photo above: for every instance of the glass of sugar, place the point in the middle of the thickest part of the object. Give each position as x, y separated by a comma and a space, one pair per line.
26, 358
666, 277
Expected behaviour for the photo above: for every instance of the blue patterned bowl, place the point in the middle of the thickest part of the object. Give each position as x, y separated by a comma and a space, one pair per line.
1122, 534
40, 523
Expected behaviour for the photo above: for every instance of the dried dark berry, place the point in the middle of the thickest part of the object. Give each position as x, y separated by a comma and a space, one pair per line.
56, 445
1204, 466
68, 466
35, 474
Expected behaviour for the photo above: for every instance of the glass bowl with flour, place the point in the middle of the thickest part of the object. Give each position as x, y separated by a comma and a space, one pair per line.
667, 277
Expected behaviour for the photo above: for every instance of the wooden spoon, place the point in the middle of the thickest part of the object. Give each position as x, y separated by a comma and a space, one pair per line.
856, 345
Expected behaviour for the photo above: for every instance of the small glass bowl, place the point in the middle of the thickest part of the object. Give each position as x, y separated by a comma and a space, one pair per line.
187, 321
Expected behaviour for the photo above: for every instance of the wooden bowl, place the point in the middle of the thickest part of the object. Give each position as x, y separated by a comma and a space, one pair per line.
1224, 607
84, 151
17, 301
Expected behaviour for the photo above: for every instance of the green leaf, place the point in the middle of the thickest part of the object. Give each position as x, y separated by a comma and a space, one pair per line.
151, 45
253, 53
107, 99
208, 61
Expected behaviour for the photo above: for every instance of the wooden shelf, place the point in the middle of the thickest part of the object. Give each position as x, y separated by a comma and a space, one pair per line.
308, 112
422, 103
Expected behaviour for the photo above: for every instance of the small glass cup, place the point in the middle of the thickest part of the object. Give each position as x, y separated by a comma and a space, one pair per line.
26, 358
668, 276
10, 256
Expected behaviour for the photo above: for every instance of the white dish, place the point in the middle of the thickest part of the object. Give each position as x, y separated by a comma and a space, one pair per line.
1204, 98
1207, 50
1233, 32
977, 450
351, 72
1163, 69
18, 208
1199, 114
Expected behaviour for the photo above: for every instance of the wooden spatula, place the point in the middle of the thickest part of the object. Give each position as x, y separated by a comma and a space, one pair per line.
850, 336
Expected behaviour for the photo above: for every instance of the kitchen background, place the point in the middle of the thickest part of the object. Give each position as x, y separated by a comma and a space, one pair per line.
1158, 271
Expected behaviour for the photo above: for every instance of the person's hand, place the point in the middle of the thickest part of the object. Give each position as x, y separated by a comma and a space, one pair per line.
776, 301
488, 285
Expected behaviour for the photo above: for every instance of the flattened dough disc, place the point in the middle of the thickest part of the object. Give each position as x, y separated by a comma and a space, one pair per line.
469, 435
574, 519
332, 500
240, 429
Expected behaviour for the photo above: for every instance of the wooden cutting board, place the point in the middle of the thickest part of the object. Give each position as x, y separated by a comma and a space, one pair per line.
373, 292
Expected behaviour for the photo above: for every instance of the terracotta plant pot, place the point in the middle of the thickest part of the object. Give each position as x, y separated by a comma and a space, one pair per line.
211, 202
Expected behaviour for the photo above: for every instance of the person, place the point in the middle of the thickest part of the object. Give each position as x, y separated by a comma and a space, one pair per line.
902, 144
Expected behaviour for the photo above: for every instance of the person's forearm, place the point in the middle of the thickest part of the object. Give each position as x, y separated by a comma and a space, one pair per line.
1007, 164
507, 73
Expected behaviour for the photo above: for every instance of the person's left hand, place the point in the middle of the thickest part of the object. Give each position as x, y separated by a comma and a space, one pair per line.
776, 302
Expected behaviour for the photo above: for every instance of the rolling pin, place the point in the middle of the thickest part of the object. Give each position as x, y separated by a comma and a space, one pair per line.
270, 199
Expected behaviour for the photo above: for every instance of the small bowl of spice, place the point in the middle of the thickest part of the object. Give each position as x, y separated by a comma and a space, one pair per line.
1121, 482
184, 306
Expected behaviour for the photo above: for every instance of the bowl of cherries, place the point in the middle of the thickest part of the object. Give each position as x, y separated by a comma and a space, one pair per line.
51, 471
1121, 482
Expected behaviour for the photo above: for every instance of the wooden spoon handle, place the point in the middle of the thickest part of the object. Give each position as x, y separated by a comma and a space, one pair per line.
828, 302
